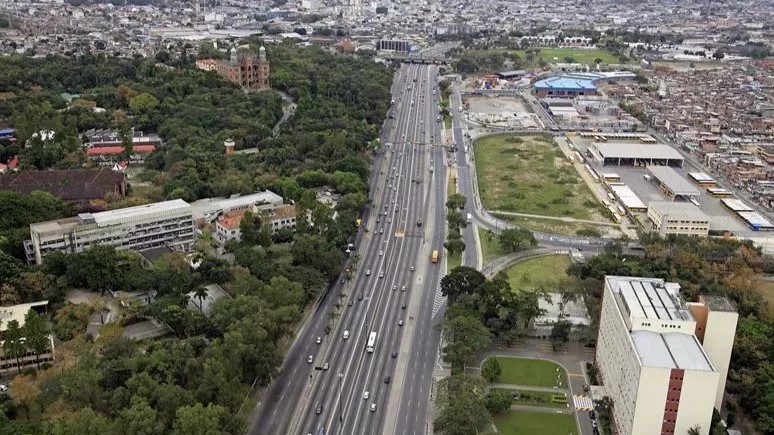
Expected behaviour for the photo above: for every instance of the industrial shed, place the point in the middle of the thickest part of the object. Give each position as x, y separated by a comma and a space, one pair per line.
635, 154
672, 183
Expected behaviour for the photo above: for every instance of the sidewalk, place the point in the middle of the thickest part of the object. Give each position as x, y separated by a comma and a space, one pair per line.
528, 388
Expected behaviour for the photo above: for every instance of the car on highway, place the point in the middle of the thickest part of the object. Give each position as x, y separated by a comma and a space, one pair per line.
412, 268
403, 289
395, 287
360, 297
366, 395
319, 340
403, 307
400, 322
381, 230
381, 253
387, 379
310, 359
389, 220
350, 303
381, 274
326, 366
419, 222
394, 354
373, 407
368, 272
318, 409
346, 334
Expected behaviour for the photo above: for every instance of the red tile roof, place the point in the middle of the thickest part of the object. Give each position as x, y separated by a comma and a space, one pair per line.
231, 220
100, 151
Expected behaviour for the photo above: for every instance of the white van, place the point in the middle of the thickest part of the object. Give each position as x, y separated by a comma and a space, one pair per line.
346, 334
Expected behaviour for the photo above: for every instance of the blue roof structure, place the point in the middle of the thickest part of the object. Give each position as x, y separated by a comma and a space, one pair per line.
566, 83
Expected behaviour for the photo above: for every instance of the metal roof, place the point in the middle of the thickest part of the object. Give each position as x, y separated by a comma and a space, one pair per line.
684, 211
119, 215
626, 195
673, 181
736, 205
650, 298
672, 350
626, 150
581, 84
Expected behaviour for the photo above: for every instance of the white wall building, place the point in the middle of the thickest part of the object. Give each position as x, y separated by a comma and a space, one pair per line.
670, 217
169, 224
652, 364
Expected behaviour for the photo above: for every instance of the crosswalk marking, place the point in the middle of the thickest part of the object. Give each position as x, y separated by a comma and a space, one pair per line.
582, 403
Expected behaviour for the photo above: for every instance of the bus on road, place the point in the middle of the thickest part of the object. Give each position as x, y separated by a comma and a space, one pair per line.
434, 258
371, 342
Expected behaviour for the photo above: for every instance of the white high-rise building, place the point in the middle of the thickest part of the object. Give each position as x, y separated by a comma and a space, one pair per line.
661, 379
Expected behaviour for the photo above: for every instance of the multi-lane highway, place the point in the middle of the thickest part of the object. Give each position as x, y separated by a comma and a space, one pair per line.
392, 295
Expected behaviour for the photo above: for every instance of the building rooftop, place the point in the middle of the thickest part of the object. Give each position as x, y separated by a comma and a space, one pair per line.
69, 184
17, 312
673, 181
736, 205
672, 350
679, 210
101, 151
627, 196
210, 207
232, 219
718, 303
650, 298
624, 150
581, 84
284, 212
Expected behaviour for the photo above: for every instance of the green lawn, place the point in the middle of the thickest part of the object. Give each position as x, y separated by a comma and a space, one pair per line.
546, 225
531, 423
585, 56
536, 398
544, 272
453, 261
533, 372
530, 174
490, 245
766, 290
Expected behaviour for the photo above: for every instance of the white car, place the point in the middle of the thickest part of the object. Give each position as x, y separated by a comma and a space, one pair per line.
325, 366
381, 253
3, 388
368, 272
319, 340
400, 322
373, 407
346, 334
366, 395
310, 359
403, 289
381, 274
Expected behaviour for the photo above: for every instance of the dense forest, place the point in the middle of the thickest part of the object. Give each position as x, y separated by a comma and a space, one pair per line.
198, 379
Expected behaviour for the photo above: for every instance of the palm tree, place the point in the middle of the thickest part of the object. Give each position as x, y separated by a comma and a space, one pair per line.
200, 293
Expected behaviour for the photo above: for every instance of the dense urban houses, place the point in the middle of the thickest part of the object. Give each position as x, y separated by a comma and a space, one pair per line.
663, 361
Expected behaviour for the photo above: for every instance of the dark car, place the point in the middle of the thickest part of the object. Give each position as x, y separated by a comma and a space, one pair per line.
403, 307
318, 409
395, 354
386, 379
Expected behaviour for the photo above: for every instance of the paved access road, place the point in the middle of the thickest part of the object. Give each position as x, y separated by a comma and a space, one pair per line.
327, 395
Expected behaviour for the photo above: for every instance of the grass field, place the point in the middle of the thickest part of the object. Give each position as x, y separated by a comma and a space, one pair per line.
530, 423
453, 261
534, 372
580, 55
544, 272
546, 225
490, 245
530, 174
536, 398
767, 291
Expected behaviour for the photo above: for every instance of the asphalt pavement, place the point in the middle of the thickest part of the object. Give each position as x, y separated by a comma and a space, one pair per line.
405, 223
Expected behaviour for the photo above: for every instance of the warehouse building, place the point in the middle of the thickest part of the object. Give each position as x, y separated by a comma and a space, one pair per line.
635, 154
577, 84
663, 366
678, 218
166, 224
628, 198
748, 215
673, 184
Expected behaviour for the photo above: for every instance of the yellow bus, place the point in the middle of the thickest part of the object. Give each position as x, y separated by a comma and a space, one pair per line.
435, 256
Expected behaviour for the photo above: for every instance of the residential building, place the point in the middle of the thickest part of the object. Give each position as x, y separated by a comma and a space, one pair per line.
19, 313
672, 217
653, 365
210, 208
76, 186
168, 223
283, 216
244, 69
227, 227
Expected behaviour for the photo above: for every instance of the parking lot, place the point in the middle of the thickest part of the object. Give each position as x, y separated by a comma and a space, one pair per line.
721, 218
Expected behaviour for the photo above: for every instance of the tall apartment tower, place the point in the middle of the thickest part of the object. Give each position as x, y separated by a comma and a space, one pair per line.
716, 320
662, 381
